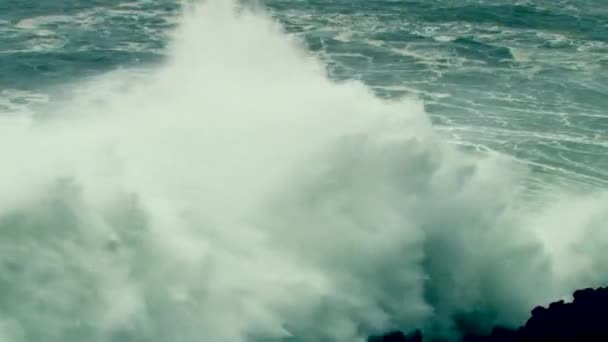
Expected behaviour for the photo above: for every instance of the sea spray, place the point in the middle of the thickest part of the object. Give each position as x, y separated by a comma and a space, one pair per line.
238, 194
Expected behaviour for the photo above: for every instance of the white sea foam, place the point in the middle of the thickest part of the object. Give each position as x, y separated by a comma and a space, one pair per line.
238, 194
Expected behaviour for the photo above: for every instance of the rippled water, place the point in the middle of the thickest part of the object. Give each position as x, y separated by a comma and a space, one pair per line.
528, 78
185, 172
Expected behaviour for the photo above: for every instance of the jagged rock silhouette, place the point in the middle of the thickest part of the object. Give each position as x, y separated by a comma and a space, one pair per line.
398, 336
585, 319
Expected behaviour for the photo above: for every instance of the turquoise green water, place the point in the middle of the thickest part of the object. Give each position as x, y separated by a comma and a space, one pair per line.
309, 171
525, 78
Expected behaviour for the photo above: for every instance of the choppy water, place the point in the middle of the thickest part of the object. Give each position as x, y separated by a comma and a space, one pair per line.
187, 177
527, 78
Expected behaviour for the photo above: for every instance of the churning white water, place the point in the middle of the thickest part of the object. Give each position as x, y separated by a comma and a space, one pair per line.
238, 194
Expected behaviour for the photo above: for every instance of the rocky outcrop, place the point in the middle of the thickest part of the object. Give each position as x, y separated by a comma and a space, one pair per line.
398, 336
585, 319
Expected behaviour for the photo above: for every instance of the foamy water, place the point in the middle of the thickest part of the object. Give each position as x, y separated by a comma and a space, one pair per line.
236, 193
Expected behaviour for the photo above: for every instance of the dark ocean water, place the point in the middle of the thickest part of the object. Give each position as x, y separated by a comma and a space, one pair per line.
130, 212
528, 78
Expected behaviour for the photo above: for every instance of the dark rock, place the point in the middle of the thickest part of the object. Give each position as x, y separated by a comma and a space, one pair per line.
502, 334
556, 305
583, 295
398, 336
538, 311
585, 319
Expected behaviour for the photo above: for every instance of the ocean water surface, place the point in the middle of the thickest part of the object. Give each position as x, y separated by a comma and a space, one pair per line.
297, 170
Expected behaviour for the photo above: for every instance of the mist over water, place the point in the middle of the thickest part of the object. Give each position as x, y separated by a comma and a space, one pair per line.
236, 193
